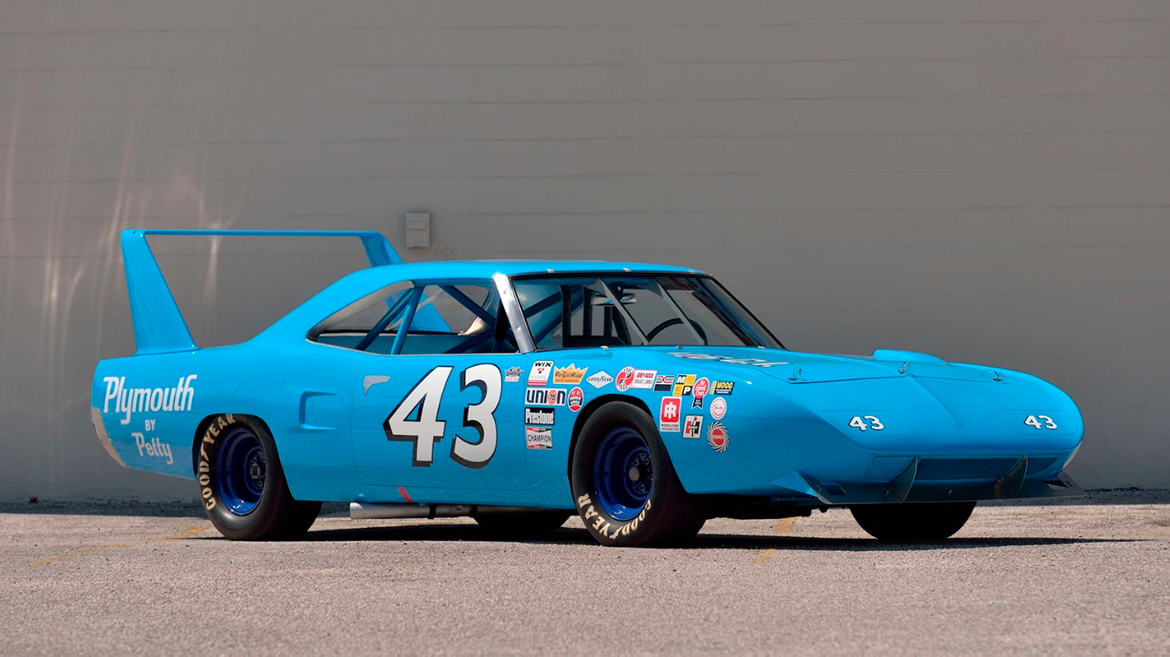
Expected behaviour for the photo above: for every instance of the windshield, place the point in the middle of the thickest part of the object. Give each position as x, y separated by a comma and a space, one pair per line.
620, 310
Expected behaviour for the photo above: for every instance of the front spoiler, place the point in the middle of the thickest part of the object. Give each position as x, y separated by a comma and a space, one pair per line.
903, 488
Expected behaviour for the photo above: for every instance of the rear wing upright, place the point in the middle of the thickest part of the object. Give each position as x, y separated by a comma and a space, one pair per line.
159, 326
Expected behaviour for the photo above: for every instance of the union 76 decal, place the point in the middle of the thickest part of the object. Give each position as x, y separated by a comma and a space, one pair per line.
428, 429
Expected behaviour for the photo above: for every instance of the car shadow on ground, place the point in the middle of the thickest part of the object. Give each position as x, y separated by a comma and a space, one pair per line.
574, 536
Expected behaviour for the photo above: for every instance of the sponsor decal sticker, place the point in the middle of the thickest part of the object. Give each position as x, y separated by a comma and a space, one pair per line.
683, 383
152, 400
538, 437
568, 376
576, 398
545, 397
717, 437
668, 414
512, 375
718, 408
600, 380
153, 447
693, 426
663, 382
722, 387
625, 379
545, 416
644, 379
755, 362
538, 375
700, 391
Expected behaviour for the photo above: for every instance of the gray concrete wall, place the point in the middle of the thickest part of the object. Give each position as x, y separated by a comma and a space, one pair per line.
986, 180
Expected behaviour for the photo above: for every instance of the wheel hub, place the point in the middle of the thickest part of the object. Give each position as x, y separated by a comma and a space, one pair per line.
623, 473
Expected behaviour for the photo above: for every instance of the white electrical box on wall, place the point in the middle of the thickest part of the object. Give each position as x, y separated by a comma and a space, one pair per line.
418, 230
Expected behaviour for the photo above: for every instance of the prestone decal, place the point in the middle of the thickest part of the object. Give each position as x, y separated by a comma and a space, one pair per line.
543, 416
134, 400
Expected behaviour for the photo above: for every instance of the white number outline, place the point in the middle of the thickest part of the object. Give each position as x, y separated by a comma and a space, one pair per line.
428, 429
859, 422
1034, 421
480, 417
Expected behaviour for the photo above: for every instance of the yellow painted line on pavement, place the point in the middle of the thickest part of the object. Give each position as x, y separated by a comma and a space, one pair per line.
80, 553
783, 527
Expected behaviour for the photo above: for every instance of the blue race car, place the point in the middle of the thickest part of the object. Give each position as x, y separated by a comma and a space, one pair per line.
643, 397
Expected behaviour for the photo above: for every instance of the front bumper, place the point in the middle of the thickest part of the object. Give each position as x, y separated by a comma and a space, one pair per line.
921, 482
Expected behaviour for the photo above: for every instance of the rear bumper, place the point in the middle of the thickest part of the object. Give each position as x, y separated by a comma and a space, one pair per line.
922, 481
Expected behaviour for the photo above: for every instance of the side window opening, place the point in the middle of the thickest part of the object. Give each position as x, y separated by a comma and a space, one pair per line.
443, 319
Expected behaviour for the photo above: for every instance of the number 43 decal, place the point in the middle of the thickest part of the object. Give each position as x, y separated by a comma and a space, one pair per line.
428, 429
864, 422
1035, 421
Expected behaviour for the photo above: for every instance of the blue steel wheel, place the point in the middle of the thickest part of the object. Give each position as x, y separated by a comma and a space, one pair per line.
242, 484
241, 468
623, 473
624, 483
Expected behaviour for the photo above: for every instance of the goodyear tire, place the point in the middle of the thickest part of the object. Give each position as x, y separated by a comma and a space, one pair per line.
922, 521
624, 484
242, 485
522, 524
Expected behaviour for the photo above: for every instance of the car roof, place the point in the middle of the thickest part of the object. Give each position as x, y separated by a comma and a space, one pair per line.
365, 281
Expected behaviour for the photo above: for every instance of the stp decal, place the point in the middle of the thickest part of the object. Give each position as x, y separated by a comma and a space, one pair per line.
538, 375
717, 437
625, 379
718, 408
576, 398
668, 415
693, 426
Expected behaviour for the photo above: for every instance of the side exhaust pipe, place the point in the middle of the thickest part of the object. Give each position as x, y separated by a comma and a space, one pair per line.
390, 511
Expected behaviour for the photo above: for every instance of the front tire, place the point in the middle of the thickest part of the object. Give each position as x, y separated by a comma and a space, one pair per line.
242, 484
625, 485
921, 521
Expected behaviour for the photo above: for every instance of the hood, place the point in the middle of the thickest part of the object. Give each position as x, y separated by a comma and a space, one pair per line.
802, 368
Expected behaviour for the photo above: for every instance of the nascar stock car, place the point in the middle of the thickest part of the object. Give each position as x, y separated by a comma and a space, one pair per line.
645, 398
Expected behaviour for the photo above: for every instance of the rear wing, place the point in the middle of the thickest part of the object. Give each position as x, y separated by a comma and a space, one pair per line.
159, 327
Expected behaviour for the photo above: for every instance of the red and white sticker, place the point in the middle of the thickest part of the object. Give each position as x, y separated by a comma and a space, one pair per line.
693, 426
538, 437
700, 391
538, 375
718, 408
668, 415
717, 437
625, 379
576, 398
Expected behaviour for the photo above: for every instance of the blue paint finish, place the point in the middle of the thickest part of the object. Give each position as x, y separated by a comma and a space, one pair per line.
787, 415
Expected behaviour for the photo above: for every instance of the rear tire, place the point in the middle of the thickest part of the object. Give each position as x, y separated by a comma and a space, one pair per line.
624, 484
522, 524
914, 521
242, 485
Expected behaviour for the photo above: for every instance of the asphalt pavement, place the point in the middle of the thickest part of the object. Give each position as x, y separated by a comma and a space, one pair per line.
1088, 578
